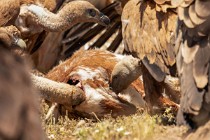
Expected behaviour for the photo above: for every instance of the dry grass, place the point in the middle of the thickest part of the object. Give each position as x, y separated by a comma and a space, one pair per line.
135, 127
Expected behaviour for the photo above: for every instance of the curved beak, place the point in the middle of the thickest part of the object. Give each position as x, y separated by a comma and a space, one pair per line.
20, 43
104, 20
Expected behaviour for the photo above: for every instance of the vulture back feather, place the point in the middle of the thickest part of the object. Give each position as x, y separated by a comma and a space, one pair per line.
9, 11
19, 117
193, 59
150, 35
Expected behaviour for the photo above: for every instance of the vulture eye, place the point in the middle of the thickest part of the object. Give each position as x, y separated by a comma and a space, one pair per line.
92, 12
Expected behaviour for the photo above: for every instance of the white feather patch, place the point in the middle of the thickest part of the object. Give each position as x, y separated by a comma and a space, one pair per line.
37, 10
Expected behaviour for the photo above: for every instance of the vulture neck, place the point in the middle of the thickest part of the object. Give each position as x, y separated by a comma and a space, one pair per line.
50, 21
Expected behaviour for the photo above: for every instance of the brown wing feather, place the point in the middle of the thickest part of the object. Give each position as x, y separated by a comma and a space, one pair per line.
149, 34
193, 61
9, 10
19, 115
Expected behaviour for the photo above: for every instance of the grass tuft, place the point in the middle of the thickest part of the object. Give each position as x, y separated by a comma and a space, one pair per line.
140, 126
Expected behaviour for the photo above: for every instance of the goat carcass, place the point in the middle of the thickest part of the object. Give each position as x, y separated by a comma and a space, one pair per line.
91, 71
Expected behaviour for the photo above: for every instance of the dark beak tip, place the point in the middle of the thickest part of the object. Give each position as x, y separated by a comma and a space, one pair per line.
105, 20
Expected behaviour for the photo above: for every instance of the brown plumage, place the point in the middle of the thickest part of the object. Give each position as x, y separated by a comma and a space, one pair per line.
158, 49
100, 4
38, 15
19, 115
9, 10
36, 19
154, 38
201, 133
149, 35
193, 59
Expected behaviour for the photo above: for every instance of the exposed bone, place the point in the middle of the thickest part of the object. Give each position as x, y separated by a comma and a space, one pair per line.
53, 111
60, 93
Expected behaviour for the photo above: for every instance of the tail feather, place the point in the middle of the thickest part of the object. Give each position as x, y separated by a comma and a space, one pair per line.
116, 42
109, 32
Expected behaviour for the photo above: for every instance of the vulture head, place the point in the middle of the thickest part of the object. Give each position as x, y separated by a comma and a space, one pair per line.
84, 12
10, 36
35, 18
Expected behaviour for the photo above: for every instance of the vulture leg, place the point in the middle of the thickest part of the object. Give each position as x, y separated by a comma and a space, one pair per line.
154, 90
